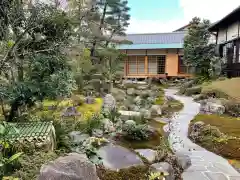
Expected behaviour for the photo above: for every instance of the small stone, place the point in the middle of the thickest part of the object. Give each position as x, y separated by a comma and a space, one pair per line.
130, 123
184, 161
163, 167
156, 110
130, 91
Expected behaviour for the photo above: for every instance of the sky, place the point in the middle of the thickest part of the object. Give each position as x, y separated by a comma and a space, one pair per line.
153, 16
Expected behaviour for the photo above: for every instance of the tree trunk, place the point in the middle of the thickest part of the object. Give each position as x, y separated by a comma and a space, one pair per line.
100, 28
3, 110
14, 111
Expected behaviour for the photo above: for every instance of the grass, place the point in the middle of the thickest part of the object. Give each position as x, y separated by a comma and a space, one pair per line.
227, 146
228, 88
86, 110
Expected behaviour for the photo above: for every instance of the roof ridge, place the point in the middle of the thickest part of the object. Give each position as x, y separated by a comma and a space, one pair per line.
177, 32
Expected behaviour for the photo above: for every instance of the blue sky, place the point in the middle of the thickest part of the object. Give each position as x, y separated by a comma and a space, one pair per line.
152, 16
155, 9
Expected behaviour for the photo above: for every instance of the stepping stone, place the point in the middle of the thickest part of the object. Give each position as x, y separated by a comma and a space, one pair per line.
216, 176
116, 157
194, 175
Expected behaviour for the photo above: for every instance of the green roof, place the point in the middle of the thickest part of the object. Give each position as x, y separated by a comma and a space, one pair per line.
151, 46
31, 131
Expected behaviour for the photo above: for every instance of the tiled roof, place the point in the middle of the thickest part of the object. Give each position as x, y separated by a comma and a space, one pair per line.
31, 131
151, 46
156, 38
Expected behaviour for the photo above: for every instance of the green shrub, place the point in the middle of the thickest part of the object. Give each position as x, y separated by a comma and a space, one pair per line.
31, 164
137, 133
193, 91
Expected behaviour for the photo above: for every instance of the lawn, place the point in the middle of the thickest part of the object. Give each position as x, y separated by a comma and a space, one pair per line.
228, 88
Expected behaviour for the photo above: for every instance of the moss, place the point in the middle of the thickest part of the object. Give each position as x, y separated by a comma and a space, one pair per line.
228, 88
226, 124
133, 173
228, 145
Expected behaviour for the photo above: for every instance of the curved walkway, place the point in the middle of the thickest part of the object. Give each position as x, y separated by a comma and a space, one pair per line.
205, 165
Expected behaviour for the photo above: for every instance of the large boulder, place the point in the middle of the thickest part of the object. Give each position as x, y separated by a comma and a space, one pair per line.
71, 167
109, 103
116, 157
212, 106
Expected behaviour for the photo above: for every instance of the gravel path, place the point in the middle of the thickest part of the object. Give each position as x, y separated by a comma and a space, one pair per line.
205, 165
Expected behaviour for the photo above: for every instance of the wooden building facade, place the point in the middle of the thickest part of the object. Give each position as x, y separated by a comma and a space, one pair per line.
227, 32
155, 55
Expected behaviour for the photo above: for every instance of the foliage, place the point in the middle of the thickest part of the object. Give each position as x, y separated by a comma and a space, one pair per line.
112, 17
157, 176
137, 132
5, 159
31, 164
34, 64
113, 115
197, 50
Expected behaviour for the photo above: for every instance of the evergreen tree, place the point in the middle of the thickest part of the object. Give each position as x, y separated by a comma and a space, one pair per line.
114, 17
197, 50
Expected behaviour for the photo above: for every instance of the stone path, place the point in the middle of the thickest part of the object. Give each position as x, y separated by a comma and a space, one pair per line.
205, 165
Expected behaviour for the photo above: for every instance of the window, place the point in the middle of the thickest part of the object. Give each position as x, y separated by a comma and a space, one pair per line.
161, 64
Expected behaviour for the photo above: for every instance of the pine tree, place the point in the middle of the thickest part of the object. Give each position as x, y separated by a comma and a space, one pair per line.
114, 17
197, 50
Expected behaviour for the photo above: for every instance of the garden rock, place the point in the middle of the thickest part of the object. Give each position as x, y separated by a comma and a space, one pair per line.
163, 167
70, 111
137, 100
89, 100
145, 113
118, 94
212, 106
116, 157
72, 167
142, 87
125, 115
149, 154
184, 160
77, 137
108, 126
97, 133
130, 91
156, 110
109, 103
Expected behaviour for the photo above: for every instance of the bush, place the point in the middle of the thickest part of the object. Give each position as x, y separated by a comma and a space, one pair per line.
137, 133
193, 91
31, 164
